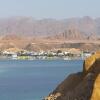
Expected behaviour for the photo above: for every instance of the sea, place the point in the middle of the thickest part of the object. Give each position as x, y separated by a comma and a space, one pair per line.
33, 79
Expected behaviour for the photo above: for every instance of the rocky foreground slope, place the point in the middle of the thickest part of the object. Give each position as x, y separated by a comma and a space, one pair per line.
84, 85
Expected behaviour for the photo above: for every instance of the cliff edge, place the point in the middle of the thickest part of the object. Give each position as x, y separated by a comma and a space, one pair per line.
84, 85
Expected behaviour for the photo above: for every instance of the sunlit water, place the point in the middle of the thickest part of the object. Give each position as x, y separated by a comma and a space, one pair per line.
33, 80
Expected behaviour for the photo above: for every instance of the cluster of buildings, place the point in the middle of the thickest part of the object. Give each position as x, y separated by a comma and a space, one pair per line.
15, 53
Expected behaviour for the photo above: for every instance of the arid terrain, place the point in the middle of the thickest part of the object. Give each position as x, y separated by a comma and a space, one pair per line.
46, 34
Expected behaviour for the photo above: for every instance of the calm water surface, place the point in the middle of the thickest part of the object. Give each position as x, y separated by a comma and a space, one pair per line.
32, 80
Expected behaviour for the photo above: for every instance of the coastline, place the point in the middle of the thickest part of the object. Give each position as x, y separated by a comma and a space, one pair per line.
84, 85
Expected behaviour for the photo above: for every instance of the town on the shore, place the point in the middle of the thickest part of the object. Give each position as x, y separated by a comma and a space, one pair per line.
65, 54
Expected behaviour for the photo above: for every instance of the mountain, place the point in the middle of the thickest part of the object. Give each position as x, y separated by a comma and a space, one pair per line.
48, 27
46, 34
30, 27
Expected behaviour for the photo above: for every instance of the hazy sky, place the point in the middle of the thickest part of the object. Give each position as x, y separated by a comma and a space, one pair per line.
59, 9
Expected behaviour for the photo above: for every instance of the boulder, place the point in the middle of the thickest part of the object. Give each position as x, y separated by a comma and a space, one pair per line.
84, 85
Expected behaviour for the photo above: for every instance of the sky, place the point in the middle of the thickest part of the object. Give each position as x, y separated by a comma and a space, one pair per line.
58, 9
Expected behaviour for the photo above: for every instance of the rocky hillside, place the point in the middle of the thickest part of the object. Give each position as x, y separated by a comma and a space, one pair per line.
84, 85
48, 43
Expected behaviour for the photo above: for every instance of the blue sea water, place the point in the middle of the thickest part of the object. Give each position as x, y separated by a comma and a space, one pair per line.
33, 80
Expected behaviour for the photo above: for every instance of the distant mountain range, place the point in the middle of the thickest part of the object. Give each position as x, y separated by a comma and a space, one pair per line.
69, 28
31, 34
